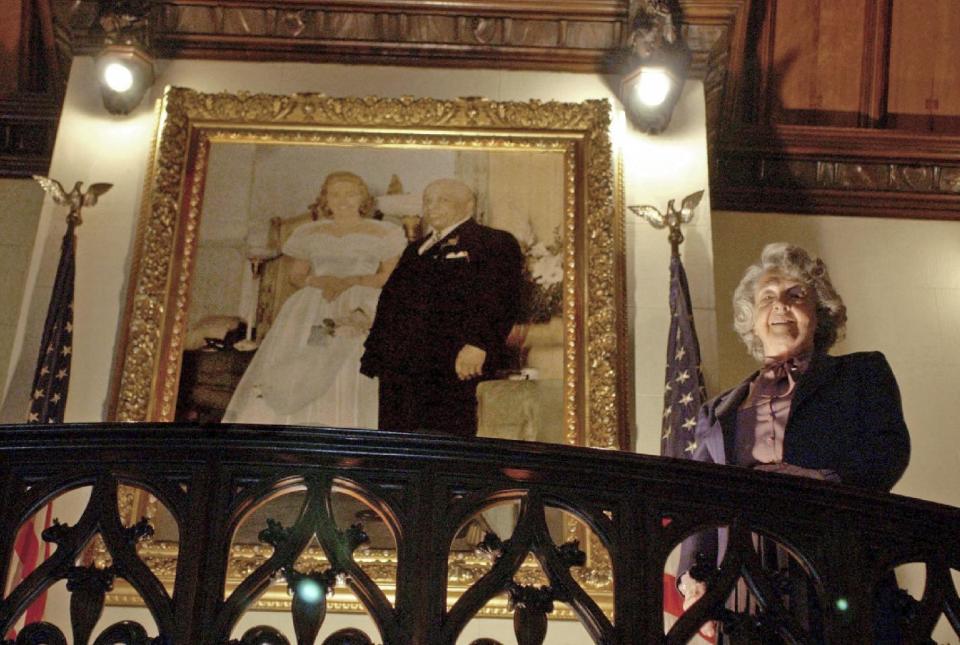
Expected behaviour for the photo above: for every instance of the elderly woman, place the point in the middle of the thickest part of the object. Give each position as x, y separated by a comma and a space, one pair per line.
804, 412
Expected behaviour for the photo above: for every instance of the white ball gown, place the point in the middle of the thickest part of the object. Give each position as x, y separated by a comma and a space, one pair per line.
307, 370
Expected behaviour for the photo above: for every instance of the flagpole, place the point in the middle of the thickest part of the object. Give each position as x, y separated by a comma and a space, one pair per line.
684, 390
51, 380
676, 236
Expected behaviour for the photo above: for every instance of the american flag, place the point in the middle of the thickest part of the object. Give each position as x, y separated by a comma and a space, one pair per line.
683, 388
683, 394
52, 377
47, 402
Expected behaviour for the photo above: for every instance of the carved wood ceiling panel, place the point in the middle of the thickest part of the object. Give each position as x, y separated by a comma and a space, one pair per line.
569, 35
780, 138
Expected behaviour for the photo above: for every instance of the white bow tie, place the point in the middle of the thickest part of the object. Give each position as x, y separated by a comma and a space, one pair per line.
433, 239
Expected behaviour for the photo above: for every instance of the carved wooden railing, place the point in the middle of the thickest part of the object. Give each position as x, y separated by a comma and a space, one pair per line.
635, 509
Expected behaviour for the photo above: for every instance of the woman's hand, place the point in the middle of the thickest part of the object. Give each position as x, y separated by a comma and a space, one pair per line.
330, 286
692, 591
356, 323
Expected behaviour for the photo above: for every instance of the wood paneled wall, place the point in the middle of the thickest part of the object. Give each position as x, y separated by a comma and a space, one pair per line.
32, 79
857, 63
815, 68
924, 74
848, 107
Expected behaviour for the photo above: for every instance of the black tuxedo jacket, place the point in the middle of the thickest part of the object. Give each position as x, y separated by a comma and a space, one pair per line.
463, 290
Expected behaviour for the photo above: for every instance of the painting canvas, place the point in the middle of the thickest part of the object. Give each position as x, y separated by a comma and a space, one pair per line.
253, 203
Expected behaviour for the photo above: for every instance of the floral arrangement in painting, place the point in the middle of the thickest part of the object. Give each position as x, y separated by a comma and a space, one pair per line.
542, 277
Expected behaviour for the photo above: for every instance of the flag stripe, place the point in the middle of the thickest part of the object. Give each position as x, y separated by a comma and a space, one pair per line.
35, 610
26, 558
672, 600
683, 388
51, 379
27, 548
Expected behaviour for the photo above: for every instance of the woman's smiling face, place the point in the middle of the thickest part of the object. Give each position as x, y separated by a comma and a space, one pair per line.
785, 315
344, 198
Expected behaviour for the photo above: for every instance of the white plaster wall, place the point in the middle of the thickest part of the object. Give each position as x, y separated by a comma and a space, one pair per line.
19, 215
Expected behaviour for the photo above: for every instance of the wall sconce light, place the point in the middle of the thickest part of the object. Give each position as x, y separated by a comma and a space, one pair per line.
656, 67
124, 66
125, 73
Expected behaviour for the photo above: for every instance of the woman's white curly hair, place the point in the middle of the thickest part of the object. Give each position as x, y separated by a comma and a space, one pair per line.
795, 263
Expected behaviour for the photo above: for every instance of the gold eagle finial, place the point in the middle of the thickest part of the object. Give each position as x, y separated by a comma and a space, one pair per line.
75, 199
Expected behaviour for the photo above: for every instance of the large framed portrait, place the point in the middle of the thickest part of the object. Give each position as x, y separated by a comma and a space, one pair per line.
233, 179
234, 175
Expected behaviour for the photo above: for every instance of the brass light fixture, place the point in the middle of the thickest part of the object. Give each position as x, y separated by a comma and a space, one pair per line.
656, 66
124, 65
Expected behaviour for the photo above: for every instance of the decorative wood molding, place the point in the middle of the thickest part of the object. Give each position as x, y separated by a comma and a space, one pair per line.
562, 35
716, 32
568, 35
856, 171
849, 171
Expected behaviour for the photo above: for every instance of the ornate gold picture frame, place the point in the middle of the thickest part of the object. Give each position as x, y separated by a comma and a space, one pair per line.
196, 129
193, 126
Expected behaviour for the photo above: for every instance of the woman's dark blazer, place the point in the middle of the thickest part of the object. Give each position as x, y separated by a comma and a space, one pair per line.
845, 416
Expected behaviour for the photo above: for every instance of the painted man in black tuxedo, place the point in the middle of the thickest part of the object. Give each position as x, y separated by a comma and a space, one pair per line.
443, 317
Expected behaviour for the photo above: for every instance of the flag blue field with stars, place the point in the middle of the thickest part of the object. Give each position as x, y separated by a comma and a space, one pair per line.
683, 388
48, 397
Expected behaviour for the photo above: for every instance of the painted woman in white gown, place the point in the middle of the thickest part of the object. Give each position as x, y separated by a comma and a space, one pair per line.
307, 370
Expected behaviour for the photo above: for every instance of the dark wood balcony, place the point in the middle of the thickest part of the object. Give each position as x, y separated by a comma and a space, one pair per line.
600, 526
